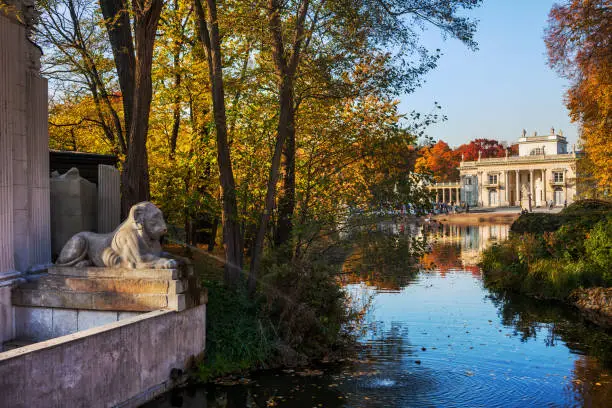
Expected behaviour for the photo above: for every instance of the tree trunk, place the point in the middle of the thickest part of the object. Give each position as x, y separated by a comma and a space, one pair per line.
286, 199
209, 35
117, 20
134, 71
285, 67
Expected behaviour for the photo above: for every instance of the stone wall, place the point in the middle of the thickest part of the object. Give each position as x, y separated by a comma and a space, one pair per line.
25, 238
119, 364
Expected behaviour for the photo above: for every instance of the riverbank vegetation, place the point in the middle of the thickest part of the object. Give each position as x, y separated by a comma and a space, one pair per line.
551, 255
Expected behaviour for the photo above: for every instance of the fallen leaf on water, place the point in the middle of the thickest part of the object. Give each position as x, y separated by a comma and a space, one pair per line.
309, 373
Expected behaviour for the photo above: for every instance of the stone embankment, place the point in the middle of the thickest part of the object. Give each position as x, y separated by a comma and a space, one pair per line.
595, 304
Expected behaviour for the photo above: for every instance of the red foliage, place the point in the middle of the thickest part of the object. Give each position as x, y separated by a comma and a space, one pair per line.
488, 147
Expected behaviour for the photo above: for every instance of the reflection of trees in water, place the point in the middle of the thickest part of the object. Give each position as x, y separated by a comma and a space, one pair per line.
529, 317
387, 343
443, 257
385, 255
583, 389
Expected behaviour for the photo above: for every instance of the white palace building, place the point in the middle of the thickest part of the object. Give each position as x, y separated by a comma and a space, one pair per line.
542, 172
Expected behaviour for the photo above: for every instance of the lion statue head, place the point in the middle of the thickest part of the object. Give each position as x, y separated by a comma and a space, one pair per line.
148, 218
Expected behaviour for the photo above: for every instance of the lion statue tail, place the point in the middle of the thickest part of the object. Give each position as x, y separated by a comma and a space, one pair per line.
73, 252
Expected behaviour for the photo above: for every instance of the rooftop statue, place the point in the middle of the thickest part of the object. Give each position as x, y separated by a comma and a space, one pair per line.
133, 245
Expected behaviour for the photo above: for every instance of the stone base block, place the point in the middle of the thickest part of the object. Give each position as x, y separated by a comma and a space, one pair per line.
40, 323
118, 273
133, 302
120, 285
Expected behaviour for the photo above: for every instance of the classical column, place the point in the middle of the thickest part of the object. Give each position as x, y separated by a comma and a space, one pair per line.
506, 187
458, 194
39, 214
544, 181
443, 195
565, 185
8, 39
437, 195
518, 187
479, 186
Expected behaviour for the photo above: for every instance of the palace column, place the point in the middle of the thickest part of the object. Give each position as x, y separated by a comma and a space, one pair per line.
458, 194
479, 185
518, 188
544, 186
531, 189
565, 185
437, 196
506, 188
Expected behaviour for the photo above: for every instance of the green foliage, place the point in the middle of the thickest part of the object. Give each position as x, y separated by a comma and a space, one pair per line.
537, 223
554, 254
300, 314
598, 247
590, 205
308, 307
583, 214
238, 337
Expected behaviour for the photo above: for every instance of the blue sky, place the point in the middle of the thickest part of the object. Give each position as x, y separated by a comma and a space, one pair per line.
503, 87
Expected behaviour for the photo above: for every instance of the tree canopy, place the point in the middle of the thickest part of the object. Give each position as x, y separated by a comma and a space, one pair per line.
579, 43
267, 118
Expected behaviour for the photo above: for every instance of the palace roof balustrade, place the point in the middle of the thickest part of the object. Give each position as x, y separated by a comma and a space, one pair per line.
548, 158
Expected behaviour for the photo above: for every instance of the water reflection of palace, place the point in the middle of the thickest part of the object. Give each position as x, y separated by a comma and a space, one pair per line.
459, 246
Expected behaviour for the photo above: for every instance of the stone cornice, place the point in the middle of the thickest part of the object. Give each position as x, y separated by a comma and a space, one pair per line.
539, 159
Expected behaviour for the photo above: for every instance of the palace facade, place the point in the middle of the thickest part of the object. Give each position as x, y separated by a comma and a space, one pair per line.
543, 171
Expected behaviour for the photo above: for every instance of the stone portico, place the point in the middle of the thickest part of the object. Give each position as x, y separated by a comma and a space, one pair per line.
533, 176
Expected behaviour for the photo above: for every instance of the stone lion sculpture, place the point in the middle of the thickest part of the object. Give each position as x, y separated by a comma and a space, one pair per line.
134, 244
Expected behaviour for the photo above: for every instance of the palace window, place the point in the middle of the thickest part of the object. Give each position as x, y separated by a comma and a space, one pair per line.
468, 181
557, 177
537, 151
492, 178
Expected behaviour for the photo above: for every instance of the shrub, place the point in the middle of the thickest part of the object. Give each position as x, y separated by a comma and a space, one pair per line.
536, 223
598, 246
585, 206
238, 336
307, 307
502, 266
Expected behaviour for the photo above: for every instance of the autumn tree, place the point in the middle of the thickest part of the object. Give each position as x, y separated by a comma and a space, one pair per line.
361, 32
439, 160
210, 37
81, 74
579, 43
131, 32
484, 148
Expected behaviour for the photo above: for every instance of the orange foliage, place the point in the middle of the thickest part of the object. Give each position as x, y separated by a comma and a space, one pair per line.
440, 160
579, 43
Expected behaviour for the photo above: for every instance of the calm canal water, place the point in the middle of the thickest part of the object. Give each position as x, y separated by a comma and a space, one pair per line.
441, 339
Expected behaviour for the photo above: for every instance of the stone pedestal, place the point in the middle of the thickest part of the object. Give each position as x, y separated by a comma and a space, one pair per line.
68, 299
